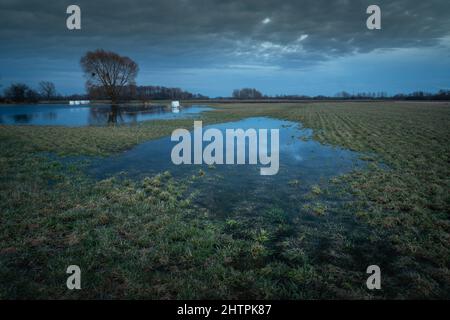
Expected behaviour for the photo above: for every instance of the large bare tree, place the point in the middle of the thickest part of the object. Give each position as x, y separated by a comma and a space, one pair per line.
47, 89
110, 71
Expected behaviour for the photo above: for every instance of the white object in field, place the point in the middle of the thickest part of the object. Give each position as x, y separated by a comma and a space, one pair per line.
175, 104
76, 102
175, 110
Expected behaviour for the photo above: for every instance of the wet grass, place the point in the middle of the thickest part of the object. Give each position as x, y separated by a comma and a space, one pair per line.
146, 239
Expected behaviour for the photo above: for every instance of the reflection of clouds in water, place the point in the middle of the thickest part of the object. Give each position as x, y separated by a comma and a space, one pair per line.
293, 151
225, 187
292, 148
77, 109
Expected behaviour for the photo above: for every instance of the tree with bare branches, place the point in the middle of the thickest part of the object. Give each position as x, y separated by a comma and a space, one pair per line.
47, 89
109, 71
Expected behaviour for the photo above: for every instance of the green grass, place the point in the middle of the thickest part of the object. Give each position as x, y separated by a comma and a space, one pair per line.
146, 239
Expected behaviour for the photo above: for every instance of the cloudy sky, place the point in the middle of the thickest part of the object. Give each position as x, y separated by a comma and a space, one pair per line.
214, 46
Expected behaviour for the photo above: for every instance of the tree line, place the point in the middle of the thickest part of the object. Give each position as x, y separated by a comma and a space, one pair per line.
253, 94
46, 91
143, 93
20, 92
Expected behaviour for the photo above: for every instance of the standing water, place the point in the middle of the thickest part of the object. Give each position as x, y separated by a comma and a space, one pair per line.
223, 188
86, 115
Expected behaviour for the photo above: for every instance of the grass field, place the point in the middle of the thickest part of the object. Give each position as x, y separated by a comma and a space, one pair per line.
146, 239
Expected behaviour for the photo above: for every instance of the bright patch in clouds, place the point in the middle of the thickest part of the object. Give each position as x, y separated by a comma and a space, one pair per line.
266, 21
303, 37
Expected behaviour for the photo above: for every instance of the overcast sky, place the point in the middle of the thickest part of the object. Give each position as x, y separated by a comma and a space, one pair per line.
214, 46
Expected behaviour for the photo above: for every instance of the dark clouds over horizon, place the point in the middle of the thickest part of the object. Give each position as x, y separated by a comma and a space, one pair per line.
213, 46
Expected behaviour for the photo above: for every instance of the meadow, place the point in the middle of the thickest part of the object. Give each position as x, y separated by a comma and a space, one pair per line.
149, 239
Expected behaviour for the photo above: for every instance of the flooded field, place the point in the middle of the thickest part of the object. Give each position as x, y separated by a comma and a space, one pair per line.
359, 184
304, 163
98, 115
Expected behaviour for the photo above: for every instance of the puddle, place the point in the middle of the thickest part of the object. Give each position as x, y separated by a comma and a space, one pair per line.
304, 163
79, 116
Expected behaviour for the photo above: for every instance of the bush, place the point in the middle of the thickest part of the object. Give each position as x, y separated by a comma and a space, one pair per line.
20, 92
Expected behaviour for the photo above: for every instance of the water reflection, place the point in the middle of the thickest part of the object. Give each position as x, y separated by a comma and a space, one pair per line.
74, 116
224, 188
22, 118
101, 116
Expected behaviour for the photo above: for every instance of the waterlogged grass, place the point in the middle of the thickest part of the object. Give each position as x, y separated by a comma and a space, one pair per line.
403, 204
406, 206
133, 240
87, 140
146, 239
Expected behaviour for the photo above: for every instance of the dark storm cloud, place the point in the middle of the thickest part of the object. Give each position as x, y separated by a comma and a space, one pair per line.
213, 32
214, 46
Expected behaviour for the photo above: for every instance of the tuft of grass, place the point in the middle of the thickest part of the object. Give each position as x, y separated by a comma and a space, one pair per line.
316, 190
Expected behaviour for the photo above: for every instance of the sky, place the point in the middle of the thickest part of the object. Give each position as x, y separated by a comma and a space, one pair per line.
211, 47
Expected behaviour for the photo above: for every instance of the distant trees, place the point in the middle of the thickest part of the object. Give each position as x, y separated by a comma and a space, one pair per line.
16, 92
247, 93
133, 92
108, 71
343, 94
164, 93
361, 95
420, 95
47, 89
253, 94
20, 92
443, 95
417, 95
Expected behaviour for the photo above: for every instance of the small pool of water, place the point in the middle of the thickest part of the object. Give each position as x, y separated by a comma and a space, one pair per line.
78, 116
304, 163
